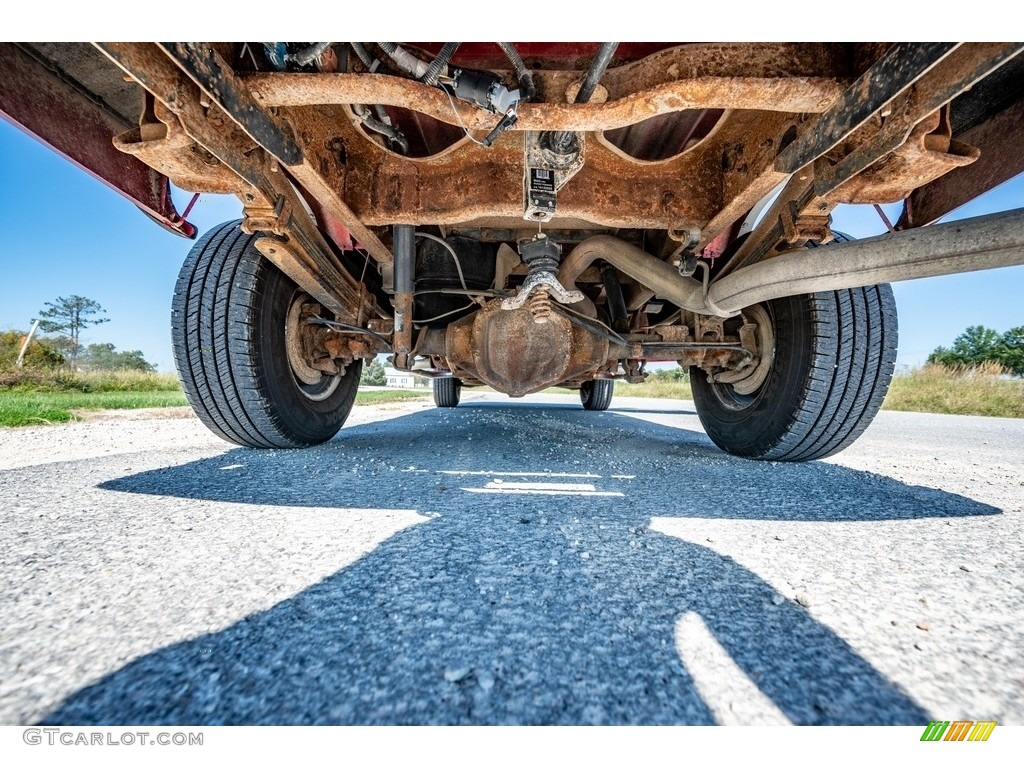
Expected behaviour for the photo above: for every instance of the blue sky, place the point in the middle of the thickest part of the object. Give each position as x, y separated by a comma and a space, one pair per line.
67, 233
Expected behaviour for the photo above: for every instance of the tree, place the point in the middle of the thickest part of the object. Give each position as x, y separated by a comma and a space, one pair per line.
103, 357
978, 345
373, 374
974, 346
68, 316
1011, 350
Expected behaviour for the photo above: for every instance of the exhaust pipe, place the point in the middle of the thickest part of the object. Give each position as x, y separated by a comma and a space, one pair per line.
660, 276
969, 245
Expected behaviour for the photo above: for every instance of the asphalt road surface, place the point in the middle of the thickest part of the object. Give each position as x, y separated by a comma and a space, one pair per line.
510, 562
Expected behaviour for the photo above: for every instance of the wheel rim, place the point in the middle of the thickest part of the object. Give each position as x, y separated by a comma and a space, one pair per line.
313, 384
739, 390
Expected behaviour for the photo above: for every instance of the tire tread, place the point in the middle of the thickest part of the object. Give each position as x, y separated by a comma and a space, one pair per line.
852, 352
215, 333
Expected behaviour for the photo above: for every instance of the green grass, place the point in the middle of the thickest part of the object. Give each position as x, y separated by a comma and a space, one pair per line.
980, 391
983, 391
656, 386
29, 380
19, 409
33, 397
377, 396
30, 396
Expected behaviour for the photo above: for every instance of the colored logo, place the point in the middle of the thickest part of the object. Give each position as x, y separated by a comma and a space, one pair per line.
958, 730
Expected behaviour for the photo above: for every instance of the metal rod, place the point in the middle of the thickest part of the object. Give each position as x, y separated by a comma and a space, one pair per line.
561, 141
969, 245
596, 72
986, 242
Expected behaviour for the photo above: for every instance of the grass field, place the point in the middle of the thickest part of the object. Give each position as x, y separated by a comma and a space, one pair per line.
377, 396
28, 380
656, 386
33, 398
30, 398
980, 391
20, 409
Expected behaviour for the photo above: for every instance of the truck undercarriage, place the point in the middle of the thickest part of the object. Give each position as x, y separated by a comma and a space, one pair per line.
525, 215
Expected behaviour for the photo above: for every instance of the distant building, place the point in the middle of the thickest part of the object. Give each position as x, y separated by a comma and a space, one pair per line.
402, 379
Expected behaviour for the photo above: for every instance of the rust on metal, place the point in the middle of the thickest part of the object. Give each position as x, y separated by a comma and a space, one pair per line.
898, 69
882, 161
468, 183
931, 95
323, 285
163, 144
777, 94
290, 143
357, 182
61, 115
350, 346
509, 351
928, 154
1000, 159
223, 88
214, 76
309, 261
794, 77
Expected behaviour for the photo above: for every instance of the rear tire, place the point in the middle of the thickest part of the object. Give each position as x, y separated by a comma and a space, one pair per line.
596, 395
834, 356
447, 392
228, 323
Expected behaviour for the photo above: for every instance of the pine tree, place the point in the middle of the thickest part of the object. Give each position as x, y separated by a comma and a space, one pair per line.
68, 316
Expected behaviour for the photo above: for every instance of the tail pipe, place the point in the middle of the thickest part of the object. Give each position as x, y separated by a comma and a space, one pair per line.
968, 245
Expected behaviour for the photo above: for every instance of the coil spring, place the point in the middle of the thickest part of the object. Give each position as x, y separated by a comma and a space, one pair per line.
539, 305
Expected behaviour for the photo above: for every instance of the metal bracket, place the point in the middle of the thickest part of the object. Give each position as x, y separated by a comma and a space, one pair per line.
274, 219
212, 74
685, 256
545, 173
796, 228
541, 281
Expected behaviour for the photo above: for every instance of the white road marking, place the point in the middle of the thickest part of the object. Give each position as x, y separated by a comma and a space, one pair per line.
518, 474
543, 489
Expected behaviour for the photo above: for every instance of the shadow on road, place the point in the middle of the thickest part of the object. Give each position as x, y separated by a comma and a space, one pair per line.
512, 604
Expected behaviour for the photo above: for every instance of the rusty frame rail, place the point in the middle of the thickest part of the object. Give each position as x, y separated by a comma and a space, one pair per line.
212, 74
899, 68
802, 210
221, 87
306, 258
949, 78
52, 109
788, 77
1001, 159
770, 94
